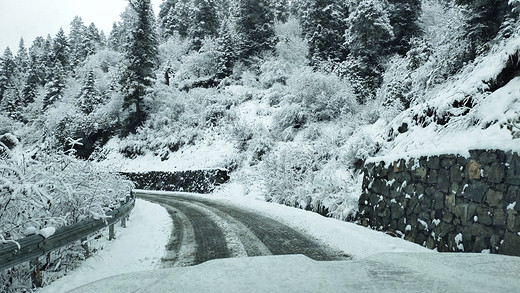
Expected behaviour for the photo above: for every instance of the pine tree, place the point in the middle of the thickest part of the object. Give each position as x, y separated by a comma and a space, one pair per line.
11, 104
54, 88
324, 23
141, 59
29, 89
255, 28
22, 59
61, 50
92, 41
226, 56
165, 18
38, 55
89, 97
7, 71
77, 35
121, 31
485, 19
369, 29
204, 22
404, 18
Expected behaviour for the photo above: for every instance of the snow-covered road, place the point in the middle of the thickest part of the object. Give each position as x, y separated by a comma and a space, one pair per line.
380, 263
206, 229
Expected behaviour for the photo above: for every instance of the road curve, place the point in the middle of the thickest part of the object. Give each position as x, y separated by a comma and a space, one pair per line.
205, 229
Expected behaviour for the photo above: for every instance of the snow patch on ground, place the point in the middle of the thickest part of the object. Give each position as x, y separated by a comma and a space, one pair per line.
204, 155
138, 247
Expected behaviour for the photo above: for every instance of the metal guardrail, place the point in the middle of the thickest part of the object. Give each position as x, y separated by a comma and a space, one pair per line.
34, 246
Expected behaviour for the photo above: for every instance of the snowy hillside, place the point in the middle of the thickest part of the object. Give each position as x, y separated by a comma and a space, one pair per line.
475, 109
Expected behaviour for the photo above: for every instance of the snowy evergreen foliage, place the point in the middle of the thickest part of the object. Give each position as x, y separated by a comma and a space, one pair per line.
255, 28
484, 20
141, 59
368, 31
7, 72
61, 50
404, 19
90, 96
324, 23
54, 89
204, 22
174, 17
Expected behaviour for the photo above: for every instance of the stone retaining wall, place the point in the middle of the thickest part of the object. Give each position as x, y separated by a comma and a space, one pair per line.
447, 202
198, 181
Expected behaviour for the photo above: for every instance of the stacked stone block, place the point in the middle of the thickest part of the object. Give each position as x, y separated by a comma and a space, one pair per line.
447, 202
198, 181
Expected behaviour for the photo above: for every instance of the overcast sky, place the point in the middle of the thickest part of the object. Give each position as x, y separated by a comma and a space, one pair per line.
32, 18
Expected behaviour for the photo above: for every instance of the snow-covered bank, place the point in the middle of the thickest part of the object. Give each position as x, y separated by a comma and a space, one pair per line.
138, 247
205, 155
350, 238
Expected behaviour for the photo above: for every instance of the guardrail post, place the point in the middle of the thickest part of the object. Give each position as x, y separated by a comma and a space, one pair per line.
123, 222
84, 244
36, 274
111, 233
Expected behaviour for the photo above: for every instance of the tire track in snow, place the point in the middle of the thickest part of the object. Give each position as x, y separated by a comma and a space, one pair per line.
209, 241
180, 251
242, 233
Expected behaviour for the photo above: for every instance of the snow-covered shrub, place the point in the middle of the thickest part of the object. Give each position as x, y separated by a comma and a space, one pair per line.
199, 69
445, 47
291, 55
358, 147
311, 178
288, 119
254, 140
52, 190
324, 96
171, 52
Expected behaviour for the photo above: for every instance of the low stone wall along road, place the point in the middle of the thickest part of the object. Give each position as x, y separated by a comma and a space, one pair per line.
204, 230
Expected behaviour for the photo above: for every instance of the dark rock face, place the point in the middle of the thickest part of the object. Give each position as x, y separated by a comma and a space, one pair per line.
447, 202
198, 181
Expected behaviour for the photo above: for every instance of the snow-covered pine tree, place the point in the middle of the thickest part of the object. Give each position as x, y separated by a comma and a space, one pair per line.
281, 10
141, 53
164, 19
56, 85
324, 23
404, 18
226, 55
7, 71
61, 50
77, 34
174, 17
29, 88
39, 54
204, 22
368, 31
121, 31
254, 27
11, 104
484, 19
92, 41
21, 59
89, 97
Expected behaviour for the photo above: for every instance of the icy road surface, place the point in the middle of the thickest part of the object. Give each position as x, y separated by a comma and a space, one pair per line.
205, 230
